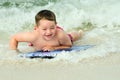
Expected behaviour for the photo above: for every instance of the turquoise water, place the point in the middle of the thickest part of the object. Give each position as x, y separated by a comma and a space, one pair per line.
100, 19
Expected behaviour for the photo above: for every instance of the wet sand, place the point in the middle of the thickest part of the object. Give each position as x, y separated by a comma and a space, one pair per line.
102, 68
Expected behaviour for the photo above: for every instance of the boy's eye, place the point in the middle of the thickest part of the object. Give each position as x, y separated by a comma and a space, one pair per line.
52, 28
44, 29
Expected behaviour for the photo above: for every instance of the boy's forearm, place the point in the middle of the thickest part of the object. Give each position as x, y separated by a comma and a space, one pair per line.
62, 47
13, 44
50, 48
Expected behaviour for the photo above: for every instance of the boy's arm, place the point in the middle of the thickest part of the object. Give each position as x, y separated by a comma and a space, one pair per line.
21, 37
50, 48
64, 42
13, 43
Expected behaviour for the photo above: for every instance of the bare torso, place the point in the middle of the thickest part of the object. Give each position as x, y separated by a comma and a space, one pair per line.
39, 42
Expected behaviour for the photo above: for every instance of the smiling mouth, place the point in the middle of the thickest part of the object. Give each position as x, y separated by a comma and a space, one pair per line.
49, 35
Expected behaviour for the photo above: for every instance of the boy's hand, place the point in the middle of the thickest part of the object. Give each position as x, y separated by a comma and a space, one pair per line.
48, 48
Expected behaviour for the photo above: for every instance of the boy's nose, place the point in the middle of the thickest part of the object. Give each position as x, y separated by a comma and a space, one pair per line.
48, 31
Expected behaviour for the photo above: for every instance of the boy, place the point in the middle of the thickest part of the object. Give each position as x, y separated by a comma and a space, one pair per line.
47, 35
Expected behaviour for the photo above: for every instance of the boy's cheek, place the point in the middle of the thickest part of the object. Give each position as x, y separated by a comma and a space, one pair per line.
42, 33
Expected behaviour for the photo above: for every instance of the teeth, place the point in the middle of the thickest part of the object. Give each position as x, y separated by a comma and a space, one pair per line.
49, 35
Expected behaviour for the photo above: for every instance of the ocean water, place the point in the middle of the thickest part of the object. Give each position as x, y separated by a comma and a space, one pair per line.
100, 19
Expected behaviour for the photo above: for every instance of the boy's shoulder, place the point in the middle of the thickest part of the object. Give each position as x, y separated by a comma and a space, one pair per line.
60, 33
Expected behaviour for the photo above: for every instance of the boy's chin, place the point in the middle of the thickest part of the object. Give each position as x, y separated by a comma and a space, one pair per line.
48, 39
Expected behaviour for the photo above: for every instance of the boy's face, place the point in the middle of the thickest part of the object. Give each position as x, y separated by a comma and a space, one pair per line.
47, 29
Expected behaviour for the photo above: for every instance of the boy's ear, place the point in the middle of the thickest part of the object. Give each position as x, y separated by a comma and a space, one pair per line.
35, 27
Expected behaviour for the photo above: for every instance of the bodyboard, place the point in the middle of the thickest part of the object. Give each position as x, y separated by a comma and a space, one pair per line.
52, 54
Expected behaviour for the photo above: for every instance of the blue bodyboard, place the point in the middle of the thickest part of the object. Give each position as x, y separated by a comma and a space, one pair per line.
52, 54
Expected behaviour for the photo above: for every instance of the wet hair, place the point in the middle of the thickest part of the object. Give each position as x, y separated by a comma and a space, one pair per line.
45, 14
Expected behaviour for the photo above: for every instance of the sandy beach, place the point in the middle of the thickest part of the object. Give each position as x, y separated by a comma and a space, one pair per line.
107, 68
